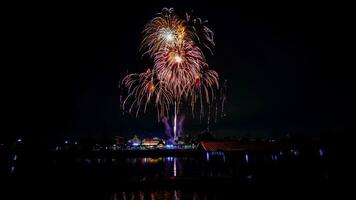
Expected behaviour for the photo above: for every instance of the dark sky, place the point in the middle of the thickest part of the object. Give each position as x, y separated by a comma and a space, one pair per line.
282, 61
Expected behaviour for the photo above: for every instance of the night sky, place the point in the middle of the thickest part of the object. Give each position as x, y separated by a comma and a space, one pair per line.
282, 62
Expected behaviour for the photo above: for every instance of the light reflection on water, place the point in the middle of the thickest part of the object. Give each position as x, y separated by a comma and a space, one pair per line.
246, 158
280, 165
175, 167
160, 166
162, 195
209, 164
12, 169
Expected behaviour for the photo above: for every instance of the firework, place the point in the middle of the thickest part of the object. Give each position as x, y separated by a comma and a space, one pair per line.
180, 73
179, 66
142, 89
200, 32
165, 30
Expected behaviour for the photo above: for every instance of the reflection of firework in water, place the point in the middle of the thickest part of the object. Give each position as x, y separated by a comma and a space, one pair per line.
180, 74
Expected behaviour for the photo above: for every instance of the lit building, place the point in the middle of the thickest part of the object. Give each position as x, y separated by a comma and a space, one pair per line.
135, 141
153, 143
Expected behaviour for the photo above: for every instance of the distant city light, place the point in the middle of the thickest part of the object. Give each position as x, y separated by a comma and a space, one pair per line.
169, 146
135, 144
274, 157
15, 157
246, 158
19, 140
207, 156
75, 142
66, 142
295, 152
321, 152
249, 177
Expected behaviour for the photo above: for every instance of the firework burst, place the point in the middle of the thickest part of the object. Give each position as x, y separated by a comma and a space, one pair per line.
180, 73
165, 30
142, 89
199, 32
178, 66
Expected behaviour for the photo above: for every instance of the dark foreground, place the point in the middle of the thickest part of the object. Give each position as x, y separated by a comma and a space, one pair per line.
291, 171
